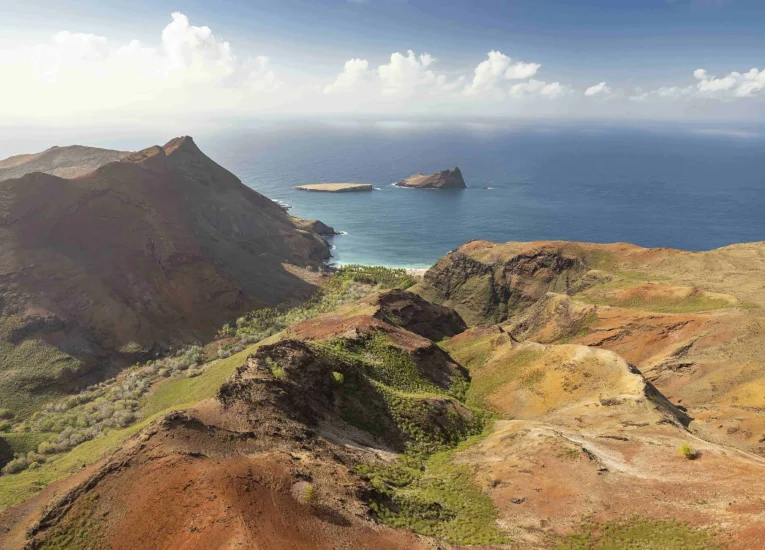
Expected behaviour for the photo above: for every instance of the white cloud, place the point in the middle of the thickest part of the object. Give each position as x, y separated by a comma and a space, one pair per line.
538, 88
598, 90
404, 74
732, 86
354, 72
189, 70
498, 68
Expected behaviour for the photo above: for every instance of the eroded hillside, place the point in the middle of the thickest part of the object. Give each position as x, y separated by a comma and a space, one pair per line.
155, 250
525, 395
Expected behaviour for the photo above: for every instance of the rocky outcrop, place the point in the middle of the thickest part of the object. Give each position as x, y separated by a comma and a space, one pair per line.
315, 226
158, 249
487, 288
410, 311
446, 179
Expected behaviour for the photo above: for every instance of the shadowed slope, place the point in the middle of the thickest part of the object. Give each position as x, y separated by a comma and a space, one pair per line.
155, 250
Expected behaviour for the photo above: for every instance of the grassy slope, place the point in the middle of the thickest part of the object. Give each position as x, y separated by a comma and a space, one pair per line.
179, 393
27, 365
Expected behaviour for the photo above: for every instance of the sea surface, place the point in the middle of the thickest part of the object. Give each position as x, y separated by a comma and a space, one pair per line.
694, 189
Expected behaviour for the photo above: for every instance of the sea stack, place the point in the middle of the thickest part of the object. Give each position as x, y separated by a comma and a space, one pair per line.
446, 179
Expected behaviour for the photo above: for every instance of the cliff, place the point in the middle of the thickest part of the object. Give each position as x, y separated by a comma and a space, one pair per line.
446, 179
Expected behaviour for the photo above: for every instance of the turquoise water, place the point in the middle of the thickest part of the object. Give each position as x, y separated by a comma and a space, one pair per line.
683, 188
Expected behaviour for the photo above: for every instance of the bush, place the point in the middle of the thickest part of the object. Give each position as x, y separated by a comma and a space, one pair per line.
16, 465
338, 378
383, 277
310, 494
688, 452
6, 414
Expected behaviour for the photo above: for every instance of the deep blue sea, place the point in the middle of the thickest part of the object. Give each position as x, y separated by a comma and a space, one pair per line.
691, 189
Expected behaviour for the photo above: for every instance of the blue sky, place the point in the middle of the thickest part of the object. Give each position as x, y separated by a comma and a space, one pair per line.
644, 52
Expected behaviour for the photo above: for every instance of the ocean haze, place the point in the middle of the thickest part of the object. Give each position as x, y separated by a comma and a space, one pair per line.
693, 189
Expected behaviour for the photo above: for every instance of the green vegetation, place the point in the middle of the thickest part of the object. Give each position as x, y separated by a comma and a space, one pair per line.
607, 294
474, 353
28, 367
433, 496
65, 435
501, 372
643, 534
348, 285
172, 394
276, 371
384, 277
384, 393
692, 304
82, 532
338, 378
688, 452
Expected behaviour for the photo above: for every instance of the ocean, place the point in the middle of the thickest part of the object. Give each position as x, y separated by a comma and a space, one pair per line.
690, 189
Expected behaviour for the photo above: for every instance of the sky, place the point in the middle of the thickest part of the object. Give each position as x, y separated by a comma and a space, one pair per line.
144, 61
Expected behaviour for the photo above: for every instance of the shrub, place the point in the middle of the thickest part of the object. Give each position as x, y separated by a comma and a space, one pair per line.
46, 448
6, 414
384, 277
310, 494
338, 378
686, 451
16, 465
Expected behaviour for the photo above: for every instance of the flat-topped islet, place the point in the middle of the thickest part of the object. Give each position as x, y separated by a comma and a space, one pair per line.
446, 179
336, 187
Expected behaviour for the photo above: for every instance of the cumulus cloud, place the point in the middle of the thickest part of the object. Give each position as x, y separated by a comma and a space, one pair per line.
189, 70
732, 86
354, 72
403, 76
550, 90
598, 90
498, 68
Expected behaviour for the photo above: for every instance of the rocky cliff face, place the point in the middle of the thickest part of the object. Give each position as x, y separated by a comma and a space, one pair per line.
446, 179
485, 287
157, 249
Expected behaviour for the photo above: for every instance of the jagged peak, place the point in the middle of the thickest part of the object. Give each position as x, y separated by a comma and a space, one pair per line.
182, 143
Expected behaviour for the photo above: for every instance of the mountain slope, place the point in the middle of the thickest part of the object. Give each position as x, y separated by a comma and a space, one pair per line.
65, 162
155, 250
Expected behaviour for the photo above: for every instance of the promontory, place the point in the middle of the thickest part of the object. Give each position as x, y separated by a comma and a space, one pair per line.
336, 187
446, 179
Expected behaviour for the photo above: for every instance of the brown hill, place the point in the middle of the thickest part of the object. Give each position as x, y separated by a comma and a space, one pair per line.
65, 162
581, 450
157, 249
